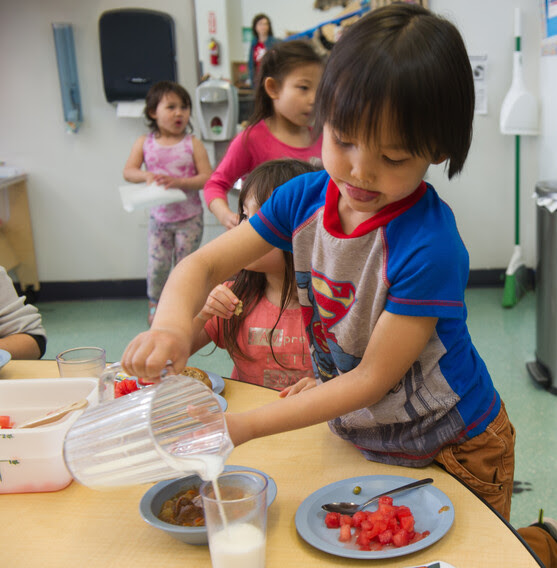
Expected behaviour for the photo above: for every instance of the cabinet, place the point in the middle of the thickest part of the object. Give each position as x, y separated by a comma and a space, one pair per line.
17, 251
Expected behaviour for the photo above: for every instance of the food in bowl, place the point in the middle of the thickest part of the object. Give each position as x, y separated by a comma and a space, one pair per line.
184, 509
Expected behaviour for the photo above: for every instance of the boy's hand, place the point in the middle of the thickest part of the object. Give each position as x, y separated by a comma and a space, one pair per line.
221, 302
149, 353
303, 384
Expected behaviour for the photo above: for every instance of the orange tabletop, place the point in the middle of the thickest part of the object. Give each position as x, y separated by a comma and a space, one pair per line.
82, 527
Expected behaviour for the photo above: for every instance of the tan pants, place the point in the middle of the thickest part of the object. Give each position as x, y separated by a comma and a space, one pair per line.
542, 543
486, 465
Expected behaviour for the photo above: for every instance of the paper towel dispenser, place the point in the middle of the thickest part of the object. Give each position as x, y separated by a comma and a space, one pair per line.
137, 51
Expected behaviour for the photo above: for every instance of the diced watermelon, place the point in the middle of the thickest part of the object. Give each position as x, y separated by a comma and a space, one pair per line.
332, 520
407, 523
125, 386
388, 525
386, 500
345, 533
358, 518
401, 538
5, 422
385, 537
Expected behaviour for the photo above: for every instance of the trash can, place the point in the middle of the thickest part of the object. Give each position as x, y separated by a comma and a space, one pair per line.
544, 369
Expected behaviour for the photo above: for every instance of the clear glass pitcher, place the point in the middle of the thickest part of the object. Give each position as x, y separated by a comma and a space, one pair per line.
162, 431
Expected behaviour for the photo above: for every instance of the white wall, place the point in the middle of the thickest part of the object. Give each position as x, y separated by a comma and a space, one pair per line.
548, 138
81, 231
483, 196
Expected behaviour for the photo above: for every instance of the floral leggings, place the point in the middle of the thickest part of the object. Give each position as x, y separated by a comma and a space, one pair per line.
168, 244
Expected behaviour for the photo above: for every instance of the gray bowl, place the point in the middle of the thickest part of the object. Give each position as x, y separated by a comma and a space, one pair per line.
153, 500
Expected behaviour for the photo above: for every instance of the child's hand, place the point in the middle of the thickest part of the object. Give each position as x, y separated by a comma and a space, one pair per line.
228, 219
148, 353
167, 181
221, 302
303, 384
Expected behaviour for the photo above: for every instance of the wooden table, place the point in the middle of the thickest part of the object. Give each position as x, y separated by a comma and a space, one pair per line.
86, 528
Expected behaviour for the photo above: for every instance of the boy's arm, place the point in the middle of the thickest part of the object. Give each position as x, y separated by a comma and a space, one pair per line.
395, 344
132, 170
183, 297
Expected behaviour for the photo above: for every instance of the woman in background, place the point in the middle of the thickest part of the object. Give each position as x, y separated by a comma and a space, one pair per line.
263, 40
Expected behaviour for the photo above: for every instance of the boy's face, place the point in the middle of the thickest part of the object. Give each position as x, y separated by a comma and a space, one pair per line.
370, 174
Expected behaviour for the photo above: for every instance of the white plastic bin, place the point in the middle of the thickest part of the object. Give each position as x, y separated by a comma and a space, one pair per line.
31, 459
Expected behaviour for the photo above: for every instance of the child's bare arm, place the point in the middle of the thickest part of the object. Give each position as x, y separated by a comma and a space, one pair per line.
184, 295
132, 170
395, 344
220, 209
196, 182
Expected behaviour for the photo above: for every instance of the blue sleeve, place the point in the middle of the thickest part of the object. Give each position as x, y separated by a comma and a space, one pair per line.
289, 207
428, 265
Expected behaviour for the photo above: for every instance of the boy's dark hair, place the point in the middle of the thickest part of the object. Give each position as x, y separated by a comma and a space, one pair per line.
250, 286
277, 63
257, 18
407, 64
154, 97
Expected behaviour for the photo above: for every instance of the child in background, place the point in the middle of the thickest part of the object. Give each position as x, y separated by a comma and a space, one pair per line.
173, 158
263, 40
266, 340
380, 267
279, 126
22, 333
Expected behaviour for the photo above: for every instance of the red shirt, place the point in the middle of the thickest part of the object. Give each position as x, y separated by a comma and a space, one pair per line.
290, 347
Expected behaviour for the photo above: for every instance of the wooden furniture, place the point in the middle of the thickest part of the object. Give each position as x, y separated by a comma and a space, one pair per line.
83, 527
17, 250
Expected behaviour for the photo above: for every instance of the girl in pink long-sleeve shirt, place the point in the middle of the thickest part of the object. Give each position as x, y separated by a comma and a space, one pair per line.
280, 125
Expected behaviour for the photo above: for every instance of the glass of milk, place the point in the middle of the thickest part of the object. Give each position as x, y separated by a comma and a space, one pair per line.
155, 433
235, 508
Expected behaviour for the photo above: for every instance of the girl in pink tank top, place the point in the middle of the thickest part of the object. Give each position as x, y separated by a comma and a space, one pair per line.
173, 158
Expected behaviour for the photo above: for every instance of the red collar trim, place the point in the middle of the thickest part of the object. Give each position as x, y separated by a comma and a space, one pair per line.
331, 218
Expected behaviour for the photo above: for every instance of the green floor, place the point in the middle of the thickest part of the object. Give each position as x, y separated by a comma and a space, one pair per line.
504, 337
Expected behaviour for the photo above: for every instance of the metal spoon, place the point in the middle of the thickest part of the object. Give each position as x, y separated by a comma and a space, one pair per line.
351, 508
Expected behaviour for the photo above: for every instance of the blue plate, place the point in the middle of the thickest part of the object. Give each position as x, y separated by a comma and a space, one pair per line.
432, 510
5, 357
217, 381
222, 401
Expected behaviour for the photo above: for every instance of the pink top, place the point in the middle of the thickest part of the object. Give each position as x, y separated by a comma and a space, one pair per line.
289, 345
250, 148
176, 161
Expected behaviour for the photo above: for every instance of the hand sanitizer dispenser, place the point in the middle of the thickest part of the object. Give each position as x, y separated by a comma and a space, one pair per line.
216, 105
